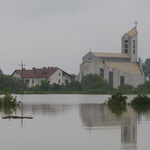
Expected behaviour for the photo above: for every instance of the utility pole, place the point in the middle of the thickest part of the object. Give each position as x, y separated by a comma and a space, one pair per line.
22, 82
22, 73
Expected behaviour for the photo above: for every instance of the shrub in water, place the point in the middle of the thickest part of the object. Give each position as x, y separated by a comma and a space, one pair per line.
8, 100
117, 99
141, 100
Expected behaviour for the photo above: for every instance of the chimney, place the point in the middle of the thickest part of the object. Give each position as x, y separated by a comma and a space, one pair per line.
34, 70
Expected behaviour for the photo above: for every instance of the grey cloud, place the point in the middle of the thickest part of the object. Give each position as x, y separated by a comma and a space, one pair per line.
60, 32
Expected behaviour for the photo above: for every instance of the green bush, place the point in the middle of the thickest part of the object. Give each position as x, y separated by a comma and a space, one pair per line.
141, 99
8, 100
117, 99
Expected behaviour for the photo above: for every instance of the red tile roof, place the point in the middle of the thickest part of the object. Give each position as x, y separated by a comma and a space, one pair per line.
37, 72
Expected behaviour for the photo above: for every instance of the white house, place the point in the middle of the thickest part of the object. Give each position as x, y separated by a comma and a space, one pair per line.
116, 68
34, 76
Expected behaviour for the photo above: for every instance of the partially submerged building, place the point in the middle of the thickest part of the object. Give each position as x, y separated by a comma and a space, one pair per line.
116, 68
34, 76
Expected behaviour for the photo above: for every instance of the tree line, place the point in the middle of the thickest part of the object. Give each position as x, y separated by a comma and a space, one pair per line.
90, 84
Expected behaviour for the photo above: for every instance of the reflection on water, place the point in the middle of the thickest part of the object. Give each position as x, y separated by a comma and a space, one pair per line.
96, 116
45, 109
74, 125
129, 129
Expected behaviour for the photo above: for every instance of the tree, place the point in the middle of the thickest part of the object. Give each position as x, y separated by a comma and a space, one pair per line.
126, 88
74, 86
93, 81
1, 72
55, 87
45, 85
146, 68
9, 83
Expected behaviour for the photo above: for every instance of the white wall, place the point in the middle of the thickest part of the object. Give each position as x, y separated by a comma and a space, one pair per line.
116, 78
59, 77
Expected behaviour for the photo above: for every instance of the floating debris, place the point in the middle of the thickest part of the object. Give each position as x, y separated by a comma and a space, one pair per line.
16, 117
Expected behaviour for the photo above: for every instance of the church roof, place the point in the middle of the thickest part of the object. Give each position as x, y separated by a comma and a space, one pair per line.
117, 55
127, 67
132, 32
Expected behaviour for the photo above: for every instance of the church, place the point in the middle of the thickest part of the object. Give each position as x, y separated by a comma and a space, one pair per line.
116, 68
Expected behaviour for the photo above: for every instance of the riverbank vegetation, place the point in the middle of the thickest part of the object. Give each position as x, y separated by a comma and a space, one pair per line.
90, 84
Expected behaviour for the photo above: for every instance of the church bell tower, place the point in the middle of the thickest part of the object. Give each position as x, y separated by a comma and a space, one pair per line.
130, 43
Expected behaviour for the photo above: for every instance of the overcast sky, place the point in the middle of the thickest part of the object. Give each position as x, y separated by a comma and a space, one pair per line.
59, 33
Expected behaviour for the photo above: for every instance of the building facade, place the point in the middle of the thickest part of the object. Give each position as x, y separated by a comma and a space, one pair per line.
34, 76
116, 68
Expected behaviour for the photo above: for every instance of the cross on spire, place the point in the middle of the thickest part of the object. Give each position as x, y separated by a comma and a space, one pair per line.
135, 23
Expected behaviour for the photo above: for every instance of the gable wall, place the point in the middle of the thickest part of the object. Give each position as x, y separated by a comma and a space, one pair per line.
56, 77
89, 56
59, 77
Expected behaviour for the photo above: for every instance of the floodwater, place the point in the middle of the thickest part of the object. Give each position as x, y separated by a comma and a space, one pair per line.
73, 122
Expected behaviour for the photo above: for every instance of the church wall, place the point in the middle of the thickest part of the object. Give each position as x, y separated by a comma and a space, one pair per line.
116, 78
134, 50
126, 37
94, 68
106, 73
137, 80
127, 78
87, 69
134, 80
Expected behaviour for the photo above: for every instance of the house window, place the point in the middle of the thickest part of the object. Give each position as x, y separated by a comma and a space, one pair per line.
133, 45
59, 81
134, 51
59, 74
32, 81
66, 81
121, 80
27, 81
126, 41
102, 72
133, 41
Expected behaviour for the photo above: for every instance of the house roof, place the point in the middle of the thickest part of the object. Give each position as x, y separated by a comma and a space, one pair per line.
37, 72
115, 55
127, 67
